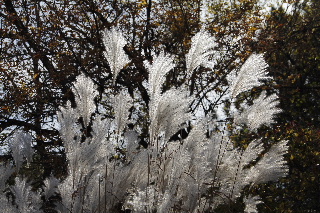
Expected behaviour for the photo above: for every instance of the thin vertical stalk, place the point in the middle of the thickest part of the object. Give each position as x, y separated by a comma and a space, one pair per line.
105, 190
99, 197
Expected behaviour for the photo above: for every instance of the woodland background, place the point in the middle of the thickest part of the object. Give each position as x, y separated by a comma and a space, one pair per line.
45, 44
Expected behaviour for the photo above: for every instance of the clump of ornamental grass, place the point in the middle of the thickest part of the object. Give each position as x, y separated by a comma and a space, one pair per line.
194, 174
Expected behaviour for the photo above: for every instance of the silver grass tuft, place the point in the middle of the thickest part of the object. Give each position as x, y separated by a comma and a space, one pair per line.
114, 43
6, 204
50, 187
168, 107
261, 112
67, 118
87, 158
162, 64
85, 91
251, 203
163, 107
21, 148
175, 176
202, 48
5, 173
272, 166
26, 200
250, 75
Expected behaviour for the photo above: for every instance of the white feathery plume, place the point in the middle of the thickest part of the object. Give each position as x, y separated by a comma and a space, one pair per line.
202, 48
250, 75
70, 197
238, 171
163, 104
272, 166
84, 158
6, 204
50, 186
251, 203
170, 113
162, 64
252, 152
21, 148
85, 91
26, 200
5, 173
261, 112
67, 117
114, 43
